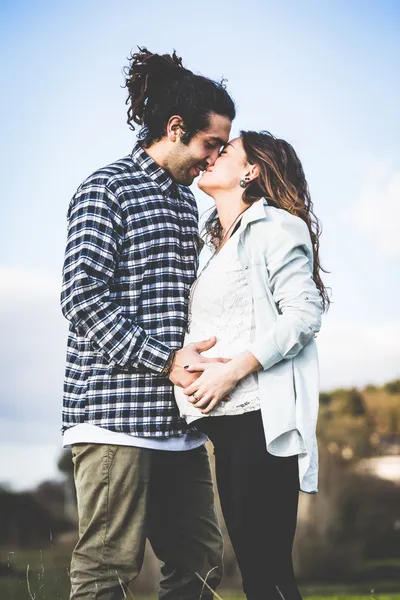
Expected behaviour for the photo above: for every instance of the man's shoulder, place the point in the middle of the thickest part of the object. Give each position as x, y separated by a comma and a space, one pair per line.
119, 173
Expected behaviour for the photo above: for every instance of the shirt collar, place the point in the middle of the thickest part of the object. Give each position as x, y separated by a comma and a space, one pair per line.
159, 175
254, 213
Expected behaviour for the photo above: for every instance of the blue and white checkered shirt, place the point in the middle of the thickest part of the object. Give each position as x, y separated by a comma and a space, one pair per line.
131, 258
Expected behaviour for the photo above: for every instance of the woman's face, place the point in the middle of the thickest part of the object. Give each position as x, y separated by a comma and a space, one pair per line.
227, 171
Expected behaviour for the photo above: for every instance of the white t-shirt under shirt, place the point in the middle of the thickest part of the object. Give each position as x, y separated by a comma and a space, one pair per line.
85, 433
221, 305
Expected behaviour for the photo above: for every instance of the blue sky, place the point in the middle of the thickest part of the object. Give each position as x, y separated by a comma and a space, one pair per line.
323, 75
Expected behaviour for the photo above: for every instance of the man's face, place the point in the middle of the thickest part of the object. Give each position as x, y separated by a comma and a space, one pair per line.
187, 161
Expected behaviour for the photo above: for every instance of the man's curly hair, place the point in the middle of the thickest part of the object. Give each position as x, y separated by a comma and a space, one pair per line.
159, 87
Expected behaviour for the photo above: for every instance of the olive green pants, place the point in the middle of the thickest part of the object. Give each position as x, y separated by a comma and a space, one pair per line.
128, 494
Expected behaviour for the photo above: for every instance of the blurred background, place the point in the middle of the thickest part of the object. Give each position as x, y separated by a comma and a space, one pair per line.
323, 75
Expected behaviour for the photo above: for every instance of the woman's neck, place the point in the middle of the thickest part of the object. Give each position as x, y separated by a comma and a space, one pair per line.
229, 205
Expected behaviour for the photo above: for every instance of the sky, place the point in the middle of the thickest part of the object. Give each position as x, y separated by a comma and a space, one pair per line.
322, 75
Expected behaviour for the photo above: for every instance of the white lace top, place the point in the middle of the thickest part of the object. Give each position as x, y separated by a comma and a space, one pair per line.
220, 304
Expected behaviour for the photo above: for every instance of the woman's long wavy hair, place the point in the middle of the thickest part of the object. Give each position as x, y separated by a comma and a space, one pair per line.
281, 181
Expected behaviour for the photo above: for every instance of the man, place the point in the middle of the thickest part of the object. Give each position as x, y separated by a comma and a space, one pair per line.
131, 258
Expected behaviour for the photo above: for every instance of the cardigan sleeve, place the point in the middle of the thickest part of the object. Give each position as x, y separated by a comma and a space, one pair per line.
288, 261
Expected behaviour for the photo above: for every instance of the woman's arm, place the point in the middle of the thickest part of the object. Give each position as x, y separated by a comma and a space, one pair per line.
290, 284
218, 379
288, 278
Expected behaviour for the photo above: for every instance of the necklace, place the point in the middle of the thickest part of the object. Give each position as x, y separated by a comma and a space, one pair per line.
204, 268
229, 229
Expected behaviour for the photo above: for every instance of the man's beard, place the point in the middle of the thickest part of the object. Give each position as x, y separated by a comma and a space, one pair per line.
181, 170
182, 173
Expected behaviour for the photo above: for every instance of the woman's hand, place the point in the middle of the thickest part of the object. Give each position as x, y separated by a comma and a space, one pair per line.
212, 386
218, 379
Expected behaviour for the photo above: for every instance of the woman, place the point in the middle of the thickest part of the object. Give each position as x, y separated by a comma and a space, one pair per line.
262, 296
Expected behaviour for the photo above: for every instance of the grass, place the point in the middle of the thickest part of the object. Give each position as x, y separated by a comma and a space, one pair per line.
227, 595
43, 575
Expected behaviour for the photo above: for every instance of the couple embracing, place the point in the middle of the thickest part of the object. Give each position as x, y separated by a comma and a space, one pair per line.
160, 358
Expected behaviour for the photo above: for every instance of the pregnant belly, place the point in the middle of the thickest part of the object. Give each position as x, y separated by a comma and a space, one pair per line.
244, 397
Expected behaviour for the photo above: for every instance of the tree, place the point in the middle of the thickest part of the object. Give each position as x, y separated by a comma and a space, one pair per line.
393, 387
355, 403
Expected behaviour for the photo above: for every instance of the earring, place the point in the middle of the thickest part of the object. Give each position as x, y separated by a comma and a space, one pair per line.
243, 183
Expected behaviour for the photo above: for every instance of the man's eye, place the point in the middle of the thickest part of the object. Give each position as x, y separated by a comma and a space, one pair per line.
211, 146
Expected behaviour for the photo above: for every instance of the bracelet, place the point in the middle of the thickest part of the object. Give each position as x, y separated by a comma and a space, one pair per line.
168, 365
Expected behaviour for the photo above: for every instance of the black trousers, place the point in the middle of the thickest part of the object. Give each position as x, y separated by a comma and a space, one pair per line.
259, 496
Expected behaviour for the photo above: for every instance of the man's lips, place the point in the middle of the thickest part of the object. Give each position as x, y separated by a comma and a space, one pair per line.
199, 169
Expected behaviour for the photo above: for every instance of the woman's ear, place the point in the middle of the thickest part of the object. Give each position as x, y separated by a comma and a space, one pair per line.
252, 173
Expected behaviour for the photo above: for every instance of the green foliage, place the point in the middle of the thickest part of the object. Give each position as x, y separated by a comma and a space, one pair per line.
29, 519
325, 399
369, 597
349, 402
355, 403
370, 388
394, 420
356, 424
392, 387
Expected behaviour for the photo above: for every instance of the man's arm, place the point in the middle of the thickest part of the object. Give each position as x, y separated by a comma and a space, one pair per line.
95, 236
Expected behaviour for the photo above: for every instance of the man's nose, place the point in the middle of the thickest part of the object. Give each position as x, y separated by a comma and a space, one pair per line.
211, 158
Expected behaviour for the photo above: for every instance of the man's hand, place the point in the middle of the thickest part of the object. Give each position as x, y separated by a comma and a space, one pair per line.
191, 354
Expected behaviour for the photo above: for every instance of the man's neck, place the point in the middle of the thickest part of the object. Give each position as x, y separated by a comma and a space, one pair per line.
157, 152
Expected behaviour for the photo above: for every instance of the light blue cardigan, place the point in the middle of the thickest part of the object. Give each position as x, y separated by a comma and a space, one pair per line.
275, 252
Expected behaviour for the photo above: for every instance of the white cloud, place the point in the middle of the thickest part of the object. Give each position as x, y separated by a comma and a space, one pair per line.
27, 285
24, 467
378, 210
355, 354
32, 349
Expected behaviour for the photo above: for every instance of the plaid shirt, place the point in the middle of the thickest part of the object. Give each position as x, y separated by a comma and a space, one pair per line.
131, 258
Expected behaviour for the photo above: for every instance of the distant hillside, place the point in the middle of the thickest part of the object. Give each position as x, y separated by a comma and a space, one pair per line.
361, 422
384, 404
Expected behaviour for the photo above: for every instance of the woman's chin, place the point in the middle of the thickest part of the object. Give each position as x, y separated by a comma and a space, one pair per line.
202, 185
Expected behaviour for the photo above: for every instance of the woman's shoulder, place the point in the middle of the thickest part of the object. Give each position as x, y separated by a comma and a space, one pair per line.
280, 223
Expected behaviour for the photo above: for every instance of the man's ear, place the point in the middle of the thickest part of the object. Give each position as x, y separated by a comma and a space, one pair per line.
175, 128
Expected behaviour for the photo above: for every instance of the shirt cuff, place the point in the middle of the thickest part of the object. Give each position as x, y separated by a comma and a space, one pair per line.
154, 355
265, 352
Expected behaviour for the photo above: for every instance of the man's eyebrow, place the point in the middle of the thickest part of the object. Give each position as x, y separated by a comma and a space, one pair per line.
218, 140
